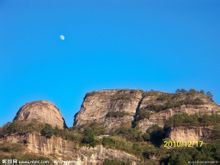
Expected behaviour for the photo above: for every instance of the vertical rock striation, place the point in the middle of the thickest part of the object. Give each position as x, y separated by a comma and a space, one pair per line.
111, 108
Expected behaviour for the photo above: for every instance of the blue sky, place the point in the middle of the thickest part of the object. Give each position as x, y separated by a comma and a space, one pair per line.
141, 44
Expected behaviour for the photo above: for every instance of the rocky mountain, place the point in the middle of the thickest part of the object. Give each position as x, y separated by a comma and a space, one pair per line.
41, 111
104, 107
116, 127
58, 149
139, 109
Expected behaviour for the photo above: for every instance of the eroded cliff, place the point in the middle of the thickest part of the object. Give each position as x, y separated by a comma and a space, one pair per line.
139, 109
58, 149
111, 108
122, 125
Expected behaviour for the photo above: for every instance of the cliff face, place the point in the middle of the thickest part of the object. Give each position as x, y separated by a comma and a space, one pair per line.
41, 111
186, 134
160, 118
111, 108
59, 149
143, 109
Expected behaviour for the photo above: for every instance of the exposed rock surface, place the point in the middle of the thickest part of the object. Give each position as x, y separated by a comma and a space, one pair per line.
159, 99
158, 106
186, 134
103, 107
112, 109
42, 111
58, 149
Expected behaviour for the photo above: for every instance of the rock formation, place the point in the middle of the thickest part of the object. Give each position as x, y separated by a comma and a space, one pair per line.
58, 149
184, 134
111, 108
41, 111
159, 107
131, 111
139, 109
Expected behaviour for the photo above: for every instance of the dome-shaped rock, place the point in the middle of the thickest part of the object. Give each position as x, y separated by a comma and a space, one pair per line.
42, 111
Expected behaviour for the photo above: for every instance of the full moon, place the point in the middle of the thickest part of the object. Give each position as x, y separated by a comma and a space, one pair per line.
62, 37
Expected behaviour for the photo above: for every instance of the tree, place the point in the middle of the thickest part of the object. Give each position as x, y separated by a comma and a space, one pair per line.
157, 135
89, 137
181, 91
47, 131
209, 95
146, 136
180, 160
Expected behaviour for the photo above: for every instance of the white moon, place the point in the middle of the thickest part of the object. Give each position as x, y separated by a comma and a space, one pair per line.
62, 37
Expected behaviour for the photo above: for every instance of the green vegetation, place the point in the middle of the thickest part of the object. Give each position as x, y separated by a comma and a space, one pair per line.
68, 134
131, 134
120, 143
21, 128
16, 151
115, 162
209, 152
166, 101
146, 146
8, 147
156, 134
184, 119
172, 103
143, 114
116, 142
97, 129
209, 95
216, 132
146, 136
116, 114
47, 131
89, 137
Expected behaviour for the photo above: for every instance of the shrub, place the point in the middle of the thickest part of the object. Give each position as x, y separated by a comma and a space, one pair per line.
143, 113
8, 147
97, 129
209, 95
115, 162
12, 128
117, 142
21, 128
164, 97
192, 91
47, 131
181, 91
88, 137
138, 148
107, 141
172, 103
208, 152
149, 152
216, 132
68, 134
157, 135
146, 136
131, 134
184, 119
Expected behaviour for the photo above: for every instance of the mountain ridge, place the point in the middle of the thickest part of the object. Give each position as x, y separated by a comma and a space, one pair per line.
119, 125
